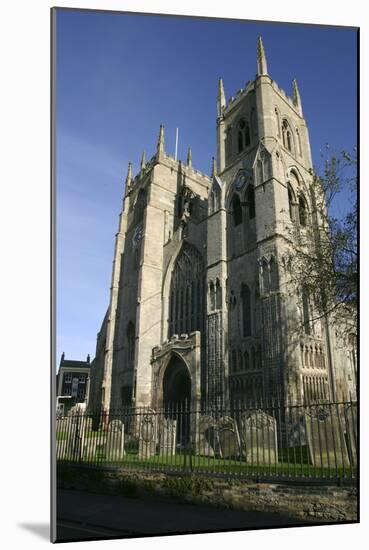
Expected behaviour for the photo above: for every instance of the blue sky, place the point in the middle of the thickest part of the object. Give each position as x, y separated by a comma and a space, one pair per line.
118, 77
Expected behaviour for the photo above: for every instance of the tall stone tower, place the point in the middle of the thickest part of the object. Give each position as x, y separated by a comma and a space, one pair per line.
202, 307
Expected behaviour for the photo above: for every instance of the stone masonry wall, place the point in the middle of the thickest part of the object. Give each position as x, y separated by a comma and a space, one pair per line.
317, 503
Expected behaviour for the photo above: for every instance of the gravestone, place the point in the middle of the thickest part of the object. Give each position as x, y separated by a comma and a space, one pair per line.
325, 437
147, 435
229, 438
167, 438
259, 437
115, 440
206, 436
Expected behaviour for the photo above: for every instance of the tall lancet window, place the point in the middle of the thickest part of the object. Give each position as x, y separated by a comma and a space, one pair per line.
236, 209
140, 206
302, 211
250, 198
246, 309
186, 292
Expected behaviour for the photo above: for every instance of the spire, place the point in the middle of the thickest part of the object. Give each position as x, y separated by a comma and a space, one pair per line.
143, 161
88, 358
189, 157
296, 96
262, 62
160, 147
213, 167
128, 178
221, 100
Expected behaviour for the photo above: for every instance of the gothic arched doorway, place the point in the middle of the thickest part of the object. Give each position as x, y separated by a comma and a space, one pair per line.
176, 383
177, 396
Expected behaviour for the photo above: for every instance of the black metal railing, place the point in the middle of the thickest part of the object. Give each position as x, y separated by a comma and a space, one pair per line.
312, 441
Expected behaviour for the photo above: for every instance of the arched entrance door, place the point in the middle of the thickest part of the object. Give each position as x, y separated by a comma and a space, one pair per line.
176, 383
177, 396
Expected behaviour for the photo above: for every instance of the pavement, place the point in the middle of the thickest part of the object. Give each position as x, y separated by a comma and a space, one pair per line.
82, 516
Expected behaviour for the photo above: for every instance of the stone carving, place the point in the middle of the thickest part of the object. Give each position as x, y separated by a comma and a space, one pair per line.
147, 435
167, 437
229, 438
259, 437
115, 440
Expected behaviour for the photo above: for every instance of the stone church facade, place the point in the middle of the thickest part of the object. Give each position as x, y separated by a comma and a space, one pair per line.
200, 305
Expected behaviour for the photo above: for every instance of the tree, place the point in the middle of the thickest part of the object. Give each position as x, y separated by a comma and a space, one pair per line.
322, 261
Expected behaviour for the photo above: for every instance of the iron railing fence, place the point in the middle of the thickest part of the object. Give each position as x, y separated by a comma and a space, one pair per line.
312, 441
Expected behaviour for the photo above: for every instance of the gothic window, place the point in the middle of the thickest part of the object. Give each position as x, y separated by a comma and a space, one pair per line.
277, 121
186, 292
140, 206
243, 135
218, 295
299, 141
302, 211
250, 197
265, 276
291, 201
234, 361
240, 361
131, 337
212, 296
236, 210
286, 135
246, 360
273, 274
306, 311
253, 362
246, 309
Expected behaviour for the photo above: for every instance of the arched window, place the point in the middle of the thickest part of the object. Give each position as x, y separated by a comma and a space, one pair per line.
186, 292
299, 141
286, 135
250, 197
243, 135
253, 362
140, 206
212, 296
291, 202
240, 361
306, 310
265, 276
131, 337
236, 210
273, 274
277, 122
246, 360
234, 361
302, 211
218, 295
246, 309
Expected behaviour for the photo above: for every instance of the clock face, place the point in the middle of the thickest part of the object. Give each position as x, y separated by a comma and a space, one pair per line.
137, 235
240, 181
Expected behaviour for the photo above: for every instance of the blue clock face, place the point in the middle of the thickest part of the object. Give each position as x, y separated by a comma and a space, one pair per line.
240, 181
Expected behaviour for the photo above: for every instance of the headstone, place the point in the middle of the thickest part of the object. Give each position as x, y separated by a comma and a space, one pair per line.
325, 437
259, 437
115, 440
167, 437
206, 436
229, 438
147, 435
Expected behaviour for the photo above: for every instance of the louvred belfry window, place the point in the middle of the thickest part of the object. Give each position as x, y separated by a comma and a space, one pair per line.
186, 305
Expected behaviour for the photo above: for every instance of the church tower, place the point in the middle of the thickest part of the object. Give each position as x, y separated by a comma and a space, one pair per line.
203, 307
265, 168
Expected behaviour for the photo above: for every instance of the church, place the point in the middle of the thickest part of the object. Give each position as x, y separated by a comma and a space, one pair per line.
201, 308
